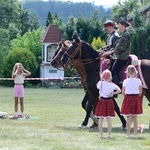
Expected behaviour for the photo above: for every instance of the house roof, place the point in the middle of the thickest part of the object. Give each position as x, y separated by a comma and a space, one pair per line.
145, 8
51, 35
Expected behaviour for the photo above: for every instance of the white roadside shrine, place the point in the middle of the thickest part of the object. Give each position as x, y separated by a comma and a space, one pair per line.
50, 42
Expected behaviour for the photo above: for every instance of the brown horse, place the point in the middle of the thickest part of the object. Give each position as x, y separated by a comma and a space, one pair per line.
82, 50
91, 61
79, 66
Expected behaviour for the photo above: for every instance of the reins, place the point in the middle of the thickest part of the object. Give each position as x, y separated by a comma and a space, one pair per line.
84, 61
78, 49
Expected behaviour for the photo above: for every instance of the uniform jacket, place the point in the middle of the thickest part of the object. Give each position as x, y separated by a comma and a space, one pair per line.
122, 48
112, 40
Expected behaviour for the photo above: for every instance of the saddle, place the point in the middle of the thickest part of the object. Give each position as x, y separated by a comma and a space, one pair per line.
133, 59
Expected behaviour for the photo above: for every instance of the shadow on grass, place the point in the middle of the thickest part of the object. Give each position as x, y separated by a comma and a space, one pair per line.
114, 130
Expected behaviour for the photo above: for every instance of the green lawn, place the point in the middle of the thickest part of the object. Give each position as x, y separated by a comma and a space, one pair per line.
55, 115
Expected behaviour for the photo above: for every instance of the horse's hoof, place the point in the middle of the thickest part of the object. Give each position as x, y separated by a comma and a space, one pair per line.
82, 126
123, 128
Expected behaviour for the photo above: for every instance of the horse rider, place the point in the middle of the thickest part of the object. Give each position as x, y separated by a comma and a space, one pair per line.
113, 36
121, 50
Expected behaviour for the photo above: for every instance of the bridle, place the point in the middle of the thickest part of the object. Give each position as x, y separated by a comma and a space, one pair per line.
57, 58
78, 50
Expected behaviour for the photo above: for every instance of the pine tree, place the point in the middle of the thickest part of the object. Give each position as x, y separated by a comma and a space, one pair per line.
49, 19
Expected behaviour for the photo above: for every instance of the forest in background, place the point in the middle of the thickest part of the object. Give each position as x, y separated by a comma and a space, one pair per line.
63, 9
20, 32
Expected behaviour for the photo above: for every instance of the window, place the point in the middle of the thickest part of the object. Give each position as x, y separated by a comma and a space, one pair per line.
51, 51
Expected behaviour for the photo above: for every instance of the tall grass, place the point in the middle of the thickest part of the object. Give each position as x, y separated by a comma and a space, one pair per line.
55, 115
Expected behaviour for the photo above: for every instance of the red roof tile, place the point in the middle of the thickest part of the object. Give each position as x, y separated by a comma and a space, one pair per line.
52, 35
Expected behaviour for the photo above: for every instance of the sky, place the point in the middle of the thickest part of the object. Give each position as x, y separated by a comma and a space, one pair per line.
104, 3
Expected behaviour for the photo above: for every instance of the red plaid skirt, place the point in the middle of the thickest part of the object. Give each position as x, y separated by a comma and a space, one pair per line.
105, 108
132, 105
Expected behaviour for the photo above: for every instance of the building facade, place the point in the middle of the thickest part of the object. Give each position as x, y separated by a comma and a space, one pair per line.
50, 41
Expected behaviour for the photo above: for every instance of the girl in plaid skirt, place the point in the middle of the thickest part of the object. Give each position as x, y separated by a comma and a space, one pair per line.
132, 103
105, 106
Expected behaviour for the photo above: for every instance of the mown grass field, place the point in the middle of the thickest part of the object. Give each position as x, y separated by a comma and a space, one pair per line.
55, 115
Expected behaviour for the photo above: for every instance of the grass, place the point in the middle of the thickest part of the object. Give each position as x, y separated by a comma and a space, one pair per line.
55, 115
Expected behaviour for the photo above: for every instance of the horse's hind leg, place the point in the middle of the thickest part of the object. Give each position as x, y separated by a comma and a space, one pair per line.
117, 110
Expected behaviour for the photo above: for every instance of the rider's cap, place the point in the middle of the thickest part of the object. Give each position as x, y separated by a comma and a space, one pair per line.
108, 23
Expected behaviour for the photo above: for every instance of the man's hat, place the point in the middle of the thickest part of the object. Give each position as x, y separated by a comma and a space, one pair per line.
108, 23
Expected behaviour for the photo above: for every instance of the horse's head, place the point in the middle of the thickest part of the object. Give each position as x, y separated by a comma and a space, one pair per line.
73, 52
62, 47
82, 50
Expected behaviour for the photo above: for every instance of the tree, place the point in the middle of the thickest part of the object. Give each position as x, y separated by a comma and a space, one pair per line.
70, 27
4, 36
123, 9
97, 43
23, 56
16, 19
57, 21
49, 19
30, 41
27, 22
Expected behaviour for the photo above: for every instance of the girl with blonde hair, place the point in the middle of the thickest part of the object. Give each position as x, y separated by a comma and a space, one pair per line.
105, 106
18, 74
132, 103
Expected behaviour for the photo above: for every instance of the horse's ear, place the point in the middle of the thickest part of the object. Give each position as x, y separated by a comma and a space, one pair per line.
75, 36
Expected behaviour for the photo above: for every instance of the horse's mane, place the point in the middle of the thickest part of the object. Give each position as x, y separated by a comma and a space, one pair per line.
88, 49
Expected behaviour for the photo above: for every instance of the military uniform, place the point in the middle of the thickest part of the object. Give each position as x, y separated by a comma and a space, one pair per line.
120, 55
122, 48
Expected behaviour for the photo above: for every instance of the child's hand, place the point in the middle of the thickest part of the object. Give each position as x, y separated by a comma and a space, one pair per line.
110, 95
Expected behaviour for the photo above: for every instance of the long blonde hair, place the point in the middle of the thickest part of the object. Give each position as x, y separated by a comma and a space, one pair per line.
131, 71
15, 67
106, 75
